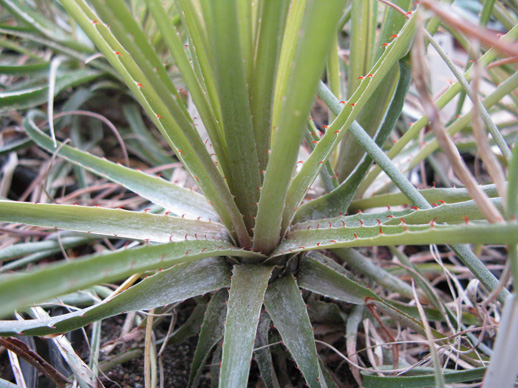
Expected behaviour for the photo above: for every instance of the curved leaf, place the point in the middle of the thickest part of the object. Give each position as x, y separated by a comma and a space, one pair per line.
181, 282
169, 116
19, 70
168, 195
450, 213
190, 328
263, 355
37, 95
374, 271
35, 20
210, 334
110, 222
46, 282
287, 309
192, 81
318, 277
244, 305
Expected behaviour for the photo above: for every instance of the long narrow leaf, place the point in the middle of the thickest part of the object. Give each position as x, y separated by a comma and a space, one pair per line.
287, 309
244, 306
348, 111
271, 30
319, 27
37, 95
231, 80
199, 47
317, 277
421, 380
364, 20
176, 284
341, 237
192, 82
459, 212
263, 355
370, 119
431, 195
210, 334
17, 291
289, 45
127, 30
22, 249
416, 128
169, 196
176, 127
110, 222
339, 199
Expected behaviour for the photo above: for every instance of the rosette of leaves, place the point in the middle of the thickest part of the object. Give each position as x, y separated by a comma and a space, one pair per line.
248, 235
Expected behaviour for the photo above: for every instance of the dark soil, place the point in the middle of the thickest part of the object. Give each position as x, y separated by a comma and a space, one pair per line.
176, 360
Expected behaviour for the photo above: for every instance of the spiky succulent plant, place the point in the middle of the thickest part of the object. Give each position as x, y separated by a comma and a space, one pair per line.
276, 202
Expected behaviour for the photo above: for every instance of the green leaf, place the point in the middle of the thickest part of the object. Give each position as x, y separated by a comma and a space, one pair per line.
168, 195
421, 380
169, 117
79, 52
452, 91
271, 30
128, 31
263, 355
190, 328
199, 46
392, 23
20, 290
22, 249
319, 28
192, 81
181, 282
110, 222
364, 20
289, 45
376, 273
351, 152
347, 113
321, 279
231, 80
339, 199
431, 195
341, 237
432, 145
144, 140
450, 213
19, 70
287, 309
37, 95
353, 321
38, 22
210, 334
247, 290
